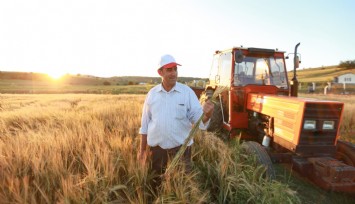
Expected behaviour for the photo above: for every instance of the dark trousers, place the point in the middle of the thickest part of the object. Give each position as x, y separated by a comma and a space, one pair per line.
160, 158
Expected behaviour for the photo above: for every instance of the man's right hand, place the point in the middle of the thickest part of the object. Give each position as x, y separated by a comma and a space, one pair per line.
208, 108
142, 155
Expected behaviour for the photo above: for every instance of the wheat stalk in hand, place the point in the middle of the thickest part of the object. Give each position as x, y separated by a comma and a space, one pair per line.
192, 133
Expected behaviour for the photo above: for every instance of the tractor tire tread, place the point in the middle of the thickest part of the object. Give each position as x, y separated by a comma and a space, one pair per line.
262, 157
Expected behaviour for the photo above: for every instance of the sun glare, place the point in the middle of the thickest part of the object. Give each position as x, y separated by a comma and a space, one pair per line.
55, 75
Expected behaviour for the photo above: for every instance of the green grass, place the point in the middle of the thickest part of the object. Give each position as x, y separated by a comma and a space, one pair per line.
308, 192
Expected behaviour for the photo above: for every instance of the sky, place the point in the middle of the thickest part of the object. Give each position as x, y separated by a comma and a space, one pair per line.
109, 38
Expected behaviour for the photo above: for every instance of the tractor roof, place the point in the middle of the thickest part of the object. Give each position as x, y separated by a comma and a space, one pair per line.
251, 49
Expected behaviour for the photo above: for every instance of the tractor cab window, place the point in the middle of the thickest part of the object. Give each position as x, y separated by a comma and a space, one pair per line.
225, 66
214, 76
261, 71
262, 74
221, 69
278, 72
244, 73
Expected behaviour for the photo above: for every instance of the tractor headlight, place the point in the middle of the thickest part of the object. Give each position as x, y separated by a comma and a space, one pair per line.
309, 125
328, 125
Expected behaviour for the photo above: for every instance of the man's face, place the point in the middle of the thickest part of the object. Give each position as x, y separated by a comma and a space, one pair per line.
169, 75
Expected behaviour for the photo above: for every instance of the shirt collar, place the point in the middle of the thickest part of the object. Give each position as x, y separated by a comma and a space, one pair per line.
177, 88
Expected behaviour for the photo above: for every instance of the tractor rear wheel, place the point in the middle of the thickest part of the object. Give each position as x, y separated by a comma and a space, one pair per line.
262, 157
216, 119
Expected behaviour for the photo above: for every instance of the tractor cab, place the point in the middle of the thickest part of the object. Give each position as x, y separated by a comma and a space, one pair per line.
244, 71
249, 66
260, 70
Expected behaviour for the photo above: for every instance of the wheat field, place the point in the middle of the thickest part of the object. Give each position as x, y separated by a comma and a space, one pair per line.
73, 148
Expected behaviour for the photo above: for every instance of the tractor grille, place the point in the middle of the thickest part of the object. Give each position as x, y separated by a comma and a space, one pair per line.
321, 112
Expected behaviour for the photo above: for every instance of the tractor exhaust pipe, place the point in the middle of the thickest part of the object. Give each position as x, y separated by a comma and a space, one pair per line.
294, 81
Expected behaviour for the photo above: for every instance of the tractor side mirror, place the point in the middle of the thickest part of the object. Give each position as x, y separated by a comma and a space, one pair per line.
238, 56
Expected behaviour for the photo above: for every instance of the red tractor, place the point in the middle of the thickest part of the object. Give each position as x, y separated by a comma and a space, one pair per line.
263, 109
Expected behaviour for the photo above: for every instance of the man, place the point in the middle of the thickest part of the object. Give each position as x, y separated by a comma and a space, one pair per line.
170, 109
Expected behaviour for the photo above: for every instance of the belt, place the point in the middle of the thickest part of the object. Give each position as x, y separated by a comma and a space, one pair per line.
175, 149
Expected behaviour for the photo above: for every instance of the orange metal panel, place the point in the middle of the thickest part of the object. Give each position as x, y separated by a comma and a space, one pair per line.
286, 111
239, 120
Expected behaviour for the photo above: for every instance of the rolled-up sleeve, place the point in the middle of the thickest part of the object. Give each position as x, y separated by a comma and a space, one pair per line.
204, 126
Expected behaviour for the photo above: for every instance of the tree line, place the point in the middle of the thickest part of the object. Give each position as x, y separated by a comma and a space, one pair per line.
349, 64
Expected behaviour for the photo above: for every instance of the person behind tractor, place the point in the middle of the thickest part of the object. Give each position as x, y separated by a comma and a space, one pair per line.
169, 111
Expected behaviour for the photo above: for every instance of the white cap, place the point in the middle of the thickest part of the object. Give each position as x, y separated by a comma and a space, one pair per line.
167, 61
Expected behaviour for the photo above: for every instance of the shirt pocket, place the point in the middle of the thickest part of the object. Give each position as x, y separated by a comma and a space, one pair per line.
180, 111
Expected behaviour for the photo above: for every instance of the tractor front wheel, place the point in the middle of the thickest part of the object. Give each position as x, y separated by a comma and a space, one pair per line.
261, 156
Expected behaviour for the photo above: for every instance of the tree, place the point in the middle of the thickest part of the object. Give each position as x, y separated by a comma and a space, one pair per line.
349, 64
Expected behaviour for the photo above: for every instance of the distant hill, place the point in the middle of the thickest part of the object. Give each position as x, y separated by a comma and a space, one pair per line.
86, 79
29, 82
320, 74
150, 80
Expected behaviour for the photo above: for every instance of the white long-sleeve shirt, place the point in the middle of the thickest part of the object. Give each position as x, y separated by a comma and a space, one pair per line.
168, 117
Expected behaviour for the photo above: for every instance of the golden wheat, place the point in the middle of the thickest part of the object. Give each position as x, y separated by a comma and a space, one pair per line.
57, 148
82, 149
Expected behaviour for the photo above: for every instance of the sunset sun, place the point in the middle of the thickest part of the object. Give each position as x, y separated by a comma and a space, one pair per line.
54, 74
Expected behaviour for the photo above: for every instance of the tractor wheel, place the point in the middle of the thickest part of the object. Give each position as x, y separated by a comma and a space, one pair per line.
216, 119
262, 157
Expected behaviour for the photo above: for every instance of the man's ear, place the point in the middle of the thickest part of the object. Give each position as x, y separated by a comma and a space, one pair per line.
160, 72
